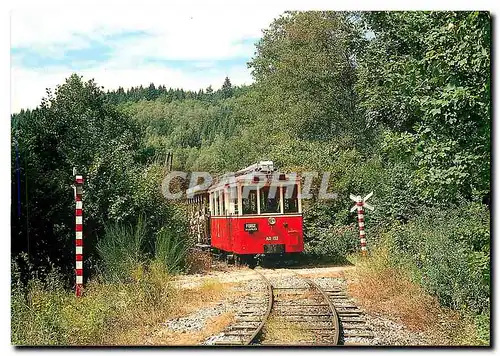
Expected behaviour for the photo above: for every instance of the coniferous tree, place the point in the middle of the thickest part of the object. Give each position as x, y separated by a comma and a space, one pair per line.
227, 88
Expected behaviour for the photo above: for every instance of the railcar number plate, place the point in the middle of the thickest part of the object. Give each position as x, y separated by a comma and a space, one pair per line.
251, 227
272, 238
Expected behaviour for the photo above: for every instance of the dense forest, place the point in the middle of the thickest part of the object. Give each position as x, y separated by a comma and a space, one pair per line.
398, 103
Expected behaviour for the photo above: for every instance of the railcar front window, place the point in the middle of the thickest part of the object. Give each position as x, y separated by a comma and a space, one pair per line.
250, 201
291, 204
269, 200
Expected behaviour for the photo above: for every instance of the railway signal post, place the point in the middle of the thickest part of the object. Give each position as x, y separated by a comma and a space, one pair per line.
360, 204
78, 189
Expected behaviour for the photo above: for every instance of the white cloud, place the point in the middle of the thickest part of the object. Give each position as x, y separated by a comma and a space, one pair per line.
201, 33
204, 34
192, 31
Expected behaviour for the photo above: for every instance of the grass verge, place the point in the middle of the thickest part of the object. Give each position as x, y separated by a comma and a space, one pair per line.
45, 314
380, 286
114, 313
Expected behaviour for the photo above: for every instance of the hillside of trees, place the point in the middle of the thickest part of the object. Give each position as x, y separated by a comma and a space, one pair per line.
398, 103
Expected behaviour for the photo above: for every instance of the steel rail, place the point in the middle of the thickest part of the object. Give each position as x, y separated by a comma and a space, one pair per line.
335, 317
270, 302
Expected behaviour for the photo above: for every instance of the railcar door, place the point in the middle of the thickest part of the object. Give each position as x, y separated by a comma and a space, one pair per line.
229, 230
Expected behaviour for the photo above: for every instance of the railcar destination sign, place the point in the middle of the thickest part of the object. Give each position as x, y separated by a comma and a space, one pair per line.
251, 227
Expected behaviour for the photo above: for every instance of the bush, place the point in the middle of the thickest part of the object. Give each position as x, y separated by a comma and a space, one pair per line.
335, 242
35, 315
44, 313
482, 322
449, 254
384, 285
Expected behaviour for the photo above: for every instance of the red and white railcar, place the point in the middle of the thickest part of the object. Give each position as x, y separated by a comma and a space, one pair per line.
256, 211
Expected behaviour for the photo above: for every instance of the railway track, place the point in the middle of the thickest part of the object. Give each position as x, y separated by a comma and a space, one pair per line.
293, 311
296, 311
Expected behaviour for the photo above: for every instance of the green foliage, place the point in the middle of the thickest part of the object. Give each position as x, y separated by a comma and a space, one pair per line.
35, 316
74, 127
335, 242
77, 127
44, 313
305, 70
427, 76
482, 322
227, 88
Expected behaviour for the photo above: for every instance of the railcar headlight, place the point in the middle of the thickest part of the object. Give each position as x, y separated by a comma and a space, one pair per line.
271, 221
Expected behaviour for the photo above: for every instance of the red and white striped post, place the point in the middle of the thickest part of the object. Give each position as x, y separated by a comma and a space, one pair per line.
78, 187
360, 204
361, 224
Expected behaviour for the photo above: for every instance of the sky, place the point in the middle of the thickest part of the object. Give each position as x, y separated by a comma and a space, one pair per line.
189, 48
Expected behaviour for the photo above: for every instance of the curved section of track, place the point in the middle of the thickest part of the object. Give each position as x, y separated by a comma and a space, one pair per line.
251, 320
270, 298
335, 317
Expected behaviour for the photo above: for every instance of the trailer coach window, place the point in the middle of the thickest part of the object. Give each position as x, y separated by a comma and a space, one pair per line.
250, 201
291, 204
268, 202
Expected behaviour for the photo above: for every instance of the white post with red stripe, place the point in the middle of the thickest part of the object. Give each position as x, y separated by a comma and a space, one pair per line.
360, 204
78, 187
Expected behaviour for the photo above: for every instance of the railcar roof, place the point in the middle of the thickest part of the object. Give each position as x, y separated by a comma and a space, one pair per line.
198, 189
246, 175
248, 179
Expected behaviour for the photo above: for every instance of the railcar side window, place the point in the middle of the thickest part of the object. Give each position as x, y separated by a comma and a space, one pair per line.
231, 201
222, 201
214, 203
269, 203
250, 202
291, 204
235, 204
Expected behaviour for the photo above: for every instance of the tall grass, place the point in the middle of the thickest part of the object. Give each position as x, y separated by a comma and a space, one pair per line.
44, 313
171, 250
448, 253
443, 253
121, 250
386, 286
131, 294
